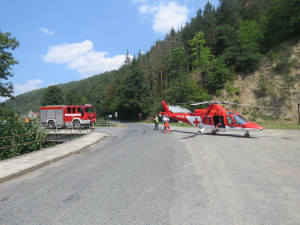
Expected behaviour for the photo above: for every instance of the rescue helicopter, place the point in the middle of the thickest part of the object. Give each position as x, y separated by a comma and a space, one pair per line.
214, 118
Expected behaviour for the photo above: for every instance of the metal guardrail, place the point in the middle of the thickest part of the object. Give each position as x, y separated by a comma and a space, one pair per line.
64, 126
99, 123
55, 136
14, 145
58, 135
106, 123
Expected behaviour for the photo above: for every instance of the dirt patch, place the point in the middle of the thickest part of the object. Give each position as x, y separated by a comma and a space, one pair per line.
249, 84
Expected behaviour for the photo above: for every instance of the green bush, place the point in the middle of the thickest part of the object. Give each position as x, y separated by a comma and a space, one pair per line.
233, 90
273, 56
14, 132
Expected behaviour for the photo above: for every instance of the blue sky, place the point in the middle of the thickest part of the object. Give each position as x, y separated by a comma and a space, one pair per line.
67, 40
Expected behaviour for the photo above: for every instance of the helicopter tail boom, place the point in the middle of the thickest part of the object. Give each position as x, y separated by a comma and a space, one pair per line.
166, 108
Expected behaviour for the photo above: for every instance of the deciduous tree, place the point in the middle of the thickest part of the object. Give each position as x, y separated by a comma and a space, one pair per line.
52, 96
7, 44
201, 56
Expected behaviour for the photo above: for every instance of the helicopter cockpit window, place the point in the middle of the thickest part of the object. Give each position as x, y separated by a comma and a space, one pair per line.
230, 113
239, 120
229, 120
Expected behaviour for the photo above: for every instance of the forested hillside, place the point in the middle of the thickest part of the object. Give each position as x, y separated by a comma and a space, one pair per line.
199, 62
91, 90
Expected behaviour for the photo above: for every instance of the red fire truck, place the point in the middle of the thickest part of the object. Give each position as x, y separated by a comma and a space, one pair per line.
76, 116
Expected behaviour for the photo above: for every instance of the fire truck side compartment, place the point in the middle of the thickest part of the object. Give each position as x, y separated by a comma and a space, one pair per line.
52, 114
43, 116
59, 117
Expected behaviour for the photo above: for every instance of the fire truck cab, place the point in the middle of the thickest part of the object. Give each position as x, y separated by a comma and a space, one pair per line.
59, 116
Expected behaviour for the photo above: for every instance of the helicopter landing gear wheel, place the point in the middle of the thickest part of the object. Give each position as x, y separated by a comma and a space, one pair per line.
201, 130
247, 135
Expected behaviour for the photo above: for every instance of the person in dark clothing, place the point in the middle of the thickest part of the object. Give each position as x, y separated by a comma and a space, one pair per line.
156, 122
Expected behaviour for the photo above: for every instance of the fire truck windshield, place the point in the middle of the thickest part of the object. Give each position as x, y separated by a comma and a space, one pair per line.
89, 109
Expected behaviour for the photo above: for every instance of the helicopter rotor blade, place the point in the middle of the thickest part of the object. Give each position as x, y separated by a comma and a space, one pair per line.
220, 103
246, 105
202, 103
182, 103
223, 103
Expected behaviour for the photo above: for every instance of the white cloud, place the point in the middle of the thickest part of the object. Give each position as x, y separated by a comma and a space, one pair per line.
46, 31
29, 86
170, 16
65, 53
83, 58
96, 62
164, 16
23, 88
147, 9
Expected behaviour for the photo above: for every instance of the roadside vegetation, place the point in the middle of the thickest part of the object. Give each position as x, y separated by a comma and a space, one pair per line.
280, 124
18, 137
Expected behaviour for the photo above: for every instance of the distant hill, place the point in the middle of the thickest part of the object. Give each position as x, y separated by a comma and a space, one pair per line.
89, 90
25, 102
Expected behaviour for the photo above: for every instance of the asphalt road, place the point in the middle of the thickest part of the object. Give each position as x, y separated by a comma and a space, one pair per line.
141, 176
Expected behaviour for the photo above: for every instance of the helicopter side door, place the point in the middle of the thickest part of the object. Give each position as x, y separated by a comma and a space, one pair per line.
230, 122
219, 121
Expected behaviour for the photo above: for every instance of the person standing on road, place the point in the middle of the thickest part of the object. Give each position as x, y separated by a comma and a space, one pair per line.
156, 122
166, 124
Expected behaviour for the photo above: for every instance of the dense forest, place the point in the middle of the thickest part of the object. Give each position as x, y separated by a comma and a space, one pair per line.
194, 63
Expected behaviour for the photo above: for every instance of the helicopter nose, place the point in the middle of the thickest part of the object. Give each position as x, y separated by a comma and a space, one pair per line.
254, 126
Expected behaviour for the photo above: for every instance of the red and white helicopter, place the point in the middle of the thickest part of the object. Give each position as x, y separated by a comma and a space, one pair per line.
214, 118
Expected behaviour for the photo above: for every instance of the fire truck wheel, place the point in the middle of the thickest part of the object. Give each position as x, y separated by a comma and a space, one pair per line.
51, 124
76, 124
